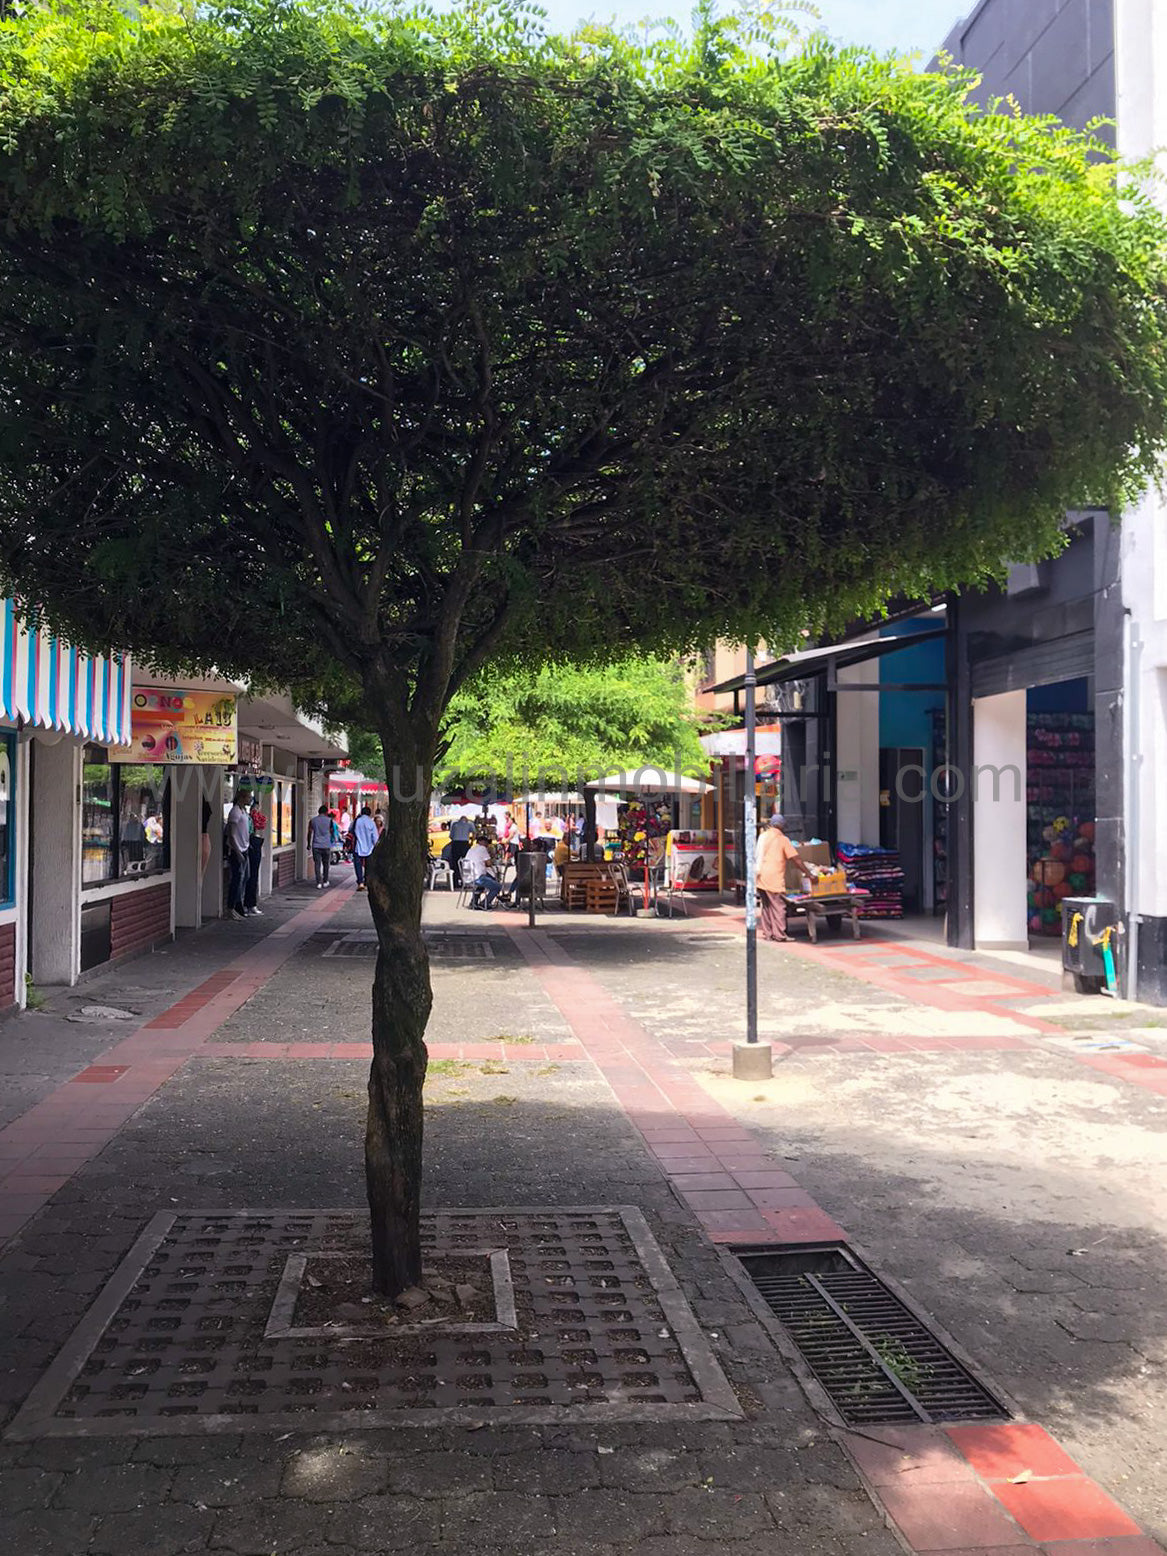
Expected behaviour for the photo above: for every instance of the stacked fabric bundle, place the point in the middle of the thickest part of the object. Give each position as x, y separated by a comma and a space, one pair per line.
877, 871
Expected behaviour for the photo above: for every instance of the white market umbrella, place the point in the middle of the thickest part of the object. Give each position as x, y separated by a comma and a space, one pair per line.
648, 780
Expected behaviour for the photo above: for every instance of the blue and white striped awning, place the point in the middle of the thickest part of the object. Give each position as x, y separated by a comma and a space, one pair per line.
46, 683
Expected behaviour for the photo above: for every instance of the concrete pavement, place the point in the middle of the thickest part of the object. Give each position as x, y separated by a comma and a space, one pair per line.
585, 1066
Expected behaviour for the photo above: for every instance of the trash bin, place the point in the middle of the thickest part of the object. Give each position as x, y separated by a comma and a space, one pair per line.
525, 863
1090, 927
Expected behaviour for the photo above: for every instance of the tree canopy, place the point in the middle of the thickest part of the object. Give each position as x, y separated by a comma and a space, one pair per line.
562, 723
394, 338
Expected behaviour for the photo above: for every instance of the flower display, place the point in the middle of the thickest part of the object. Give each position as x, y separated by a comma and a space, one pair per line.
639, 826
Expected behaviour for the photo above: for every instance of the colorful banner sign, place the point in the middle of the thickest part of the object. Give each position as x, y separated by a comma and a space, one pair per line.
174, 726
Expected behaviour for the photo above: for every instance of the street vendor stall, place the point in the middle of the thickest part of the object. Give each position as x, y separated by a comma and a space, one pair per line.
648, 819
830, 899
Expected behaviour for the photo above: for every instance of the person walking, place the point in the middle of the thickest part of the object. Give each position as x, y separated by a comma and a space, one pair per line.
237, 840
258, 823
320, 830
365, 840
774, 852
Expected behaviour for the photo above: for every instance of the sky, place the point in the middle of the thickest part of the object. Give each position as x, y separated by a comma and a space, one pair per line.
907, 26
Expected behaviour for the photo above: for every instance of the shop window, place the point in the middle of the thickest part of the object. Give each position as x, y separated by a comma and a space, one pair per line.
98, 820
125, 819
285, 817
7, 821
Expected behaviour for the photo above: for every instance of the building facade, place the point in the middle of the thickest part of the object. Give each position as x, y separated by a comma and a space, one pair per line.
1087, 631
111, 831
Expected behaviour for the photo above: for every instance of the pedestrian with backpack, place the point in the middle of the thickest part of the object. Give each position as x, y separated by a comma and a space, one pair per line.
365, 836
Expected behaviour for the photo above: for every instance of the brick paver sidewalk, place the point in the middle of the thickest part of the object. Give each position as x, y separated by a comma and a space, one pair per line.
246, 1091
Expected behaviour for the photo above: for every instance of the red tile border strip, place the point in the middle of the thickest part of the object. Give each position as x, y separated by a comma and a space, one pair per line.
470, 1053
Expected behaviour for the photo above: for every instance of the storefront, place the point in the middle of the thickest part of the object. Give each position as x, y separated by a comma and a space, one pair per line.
112, 788
1037, 732
964, 759
55, 702
861, 735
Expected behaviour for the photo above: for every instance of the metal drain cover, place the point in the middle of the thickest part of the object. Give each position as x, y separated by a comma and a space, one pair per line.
877, 1360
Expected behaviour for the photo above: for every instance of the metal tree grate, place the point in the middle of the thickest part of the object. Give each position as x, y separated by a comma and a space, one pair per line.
197, 1332
875, 1358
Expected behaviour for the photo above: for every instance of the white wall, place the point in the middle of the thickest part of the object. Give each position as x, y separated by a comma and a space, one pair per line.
1000, 917
55, 916
857, 756
18, 824
1141, 73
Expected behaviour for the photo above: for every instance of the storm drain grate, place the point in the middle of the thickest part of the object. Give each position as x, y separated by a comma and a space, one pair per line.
876, 1360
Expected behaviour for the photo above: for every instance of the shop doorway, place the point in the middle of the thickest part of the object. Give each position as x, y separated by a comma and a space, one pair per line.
903, 802
1060, 802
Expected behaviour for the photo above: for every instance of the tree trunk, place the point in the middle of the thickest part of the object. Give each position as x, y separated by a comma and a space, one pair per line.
401, 1006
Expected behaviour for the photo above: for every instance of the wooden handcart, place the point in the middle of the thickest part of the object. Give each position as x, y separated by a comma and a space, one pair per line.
833, 911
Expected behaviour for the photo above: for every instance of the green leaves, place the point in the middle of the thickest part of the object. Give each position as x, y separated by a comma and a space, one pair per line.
460, 342
548, 726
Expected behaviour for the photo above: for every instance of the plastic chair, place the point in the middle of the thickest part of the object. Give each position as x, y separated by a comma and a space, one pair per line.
466, 879
440, 874
619, 874
674, 884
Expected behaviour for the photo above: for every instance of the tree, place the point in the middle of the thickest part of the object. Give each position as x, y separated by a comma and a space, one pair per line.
366, 754
380, 343
560, 724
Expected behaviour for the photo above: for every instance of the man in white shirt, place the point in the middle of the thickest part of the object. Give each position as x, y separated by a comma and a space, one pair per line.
481, 871
237, 839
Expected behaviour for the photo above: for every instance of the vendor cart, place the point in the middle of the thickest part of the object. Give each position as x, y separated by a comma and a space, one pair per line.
831, 900
832, 910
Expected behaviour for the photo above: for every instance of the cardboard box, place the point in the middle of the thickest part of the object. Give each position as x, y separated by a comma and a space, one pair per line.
810, 853
831, 883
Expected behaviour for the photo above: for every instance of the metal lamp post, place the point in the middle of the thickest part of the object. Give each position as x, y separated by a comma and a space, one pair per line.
752, 1060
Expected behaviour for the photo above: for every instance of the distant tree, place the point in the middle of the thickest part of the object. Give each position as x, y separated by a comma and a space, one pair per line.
561, 724
366, 753
341, 339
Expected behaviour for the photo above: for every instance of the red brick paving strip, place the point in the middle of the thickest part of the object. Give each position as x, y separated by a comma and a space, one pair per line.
42, 1149
946, 1491
471, 1053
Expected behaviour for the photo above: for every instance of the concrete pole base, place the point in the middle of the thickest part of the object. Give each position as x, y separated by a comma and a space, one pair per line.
753, 1061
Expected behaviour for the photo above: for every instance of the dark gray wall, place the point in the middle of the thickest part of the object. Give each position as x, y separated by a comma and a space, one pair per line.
1053, 56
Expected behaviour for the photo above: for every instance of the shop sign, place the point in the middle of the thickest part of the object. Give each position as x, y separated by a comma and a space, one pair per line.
250, 751
172, 726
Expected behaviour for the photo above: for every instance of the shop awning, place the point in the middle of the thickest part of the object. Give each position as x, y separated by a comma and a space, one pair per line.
49, 684
648, 780
836, 656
